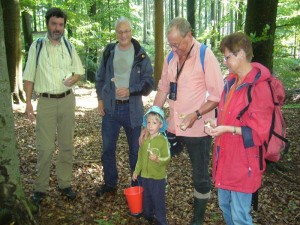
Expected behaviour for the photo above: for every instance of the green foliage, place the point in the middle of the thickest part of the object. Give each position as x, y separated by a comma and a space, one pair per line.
263, 37
288, 69
292, 106
90, 28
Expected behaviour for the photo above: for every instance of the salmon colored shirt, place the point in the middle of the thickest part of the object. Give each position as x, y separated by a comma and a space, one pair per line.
193, 89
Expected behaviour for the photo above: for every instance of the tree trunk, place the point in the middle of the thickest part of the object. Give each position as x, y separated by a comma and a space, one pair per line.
171, 10
14, 208
219, 16
11, 20
159, 40
176, 8
27, 31
145, 22
213, 23
200, 18
261, 22
34, 19
239, 15
191, 14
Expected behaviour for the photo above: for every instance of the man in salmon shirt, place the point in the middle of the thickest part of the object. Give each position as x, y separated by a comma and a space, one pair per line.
192, 95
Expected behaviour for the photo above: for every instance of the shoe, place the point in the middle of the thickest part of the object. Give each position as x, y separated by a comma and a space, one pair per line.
68, 192
104, 189
37, 197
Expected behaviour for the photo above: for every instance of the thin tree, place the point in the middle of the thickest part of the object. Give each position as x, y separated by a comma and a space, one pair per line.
176, 8
213, 23
27, 31
191, 14
261, 25
240, 15
159, 40
12, 31
14, 207
145, 21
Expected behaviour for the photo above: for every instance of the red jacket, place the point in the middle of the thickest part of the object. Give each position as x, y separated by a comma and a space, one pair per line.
236, 160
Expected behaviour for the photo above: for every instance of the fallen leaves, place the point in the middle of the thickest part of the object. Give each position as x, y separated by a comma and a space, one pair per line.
279, 197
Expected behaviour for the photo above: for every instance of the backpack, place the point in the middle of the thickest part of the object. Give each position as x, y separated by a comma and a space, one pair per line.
202, 56
106, 52
39, 45
277, 142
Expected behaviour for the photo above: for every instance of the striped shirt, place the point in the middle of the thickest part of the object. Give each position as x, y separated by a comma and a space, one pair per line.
54, 65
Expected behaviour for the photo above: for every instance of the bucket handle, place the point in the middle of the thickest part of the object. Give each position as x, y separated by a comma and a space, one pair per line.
138, 185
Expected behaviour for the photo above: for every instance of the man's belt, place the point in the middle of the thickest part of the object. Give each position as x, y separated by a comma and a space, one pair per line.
61, 95
118, 102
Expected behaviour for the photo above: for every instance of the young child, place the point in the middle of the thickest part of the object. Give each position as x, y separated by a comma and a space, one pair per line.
153, 158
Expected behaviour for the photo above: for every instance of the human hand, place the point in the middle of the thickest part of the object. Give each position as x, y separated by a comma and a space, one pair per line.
101, 107
134, 176
217, 131
143, 136
209, 125
70, 81
122, 92
187, 121
29, 112
153, 157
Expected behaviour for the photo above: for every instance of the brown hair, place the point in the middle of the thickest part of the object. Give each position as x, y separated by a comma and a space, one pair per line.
56, 12
236, 42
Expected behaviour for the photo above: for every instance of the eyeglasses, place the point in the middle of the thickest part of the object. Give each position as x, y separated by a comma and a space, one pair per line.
120, 32
176, 46
226, 58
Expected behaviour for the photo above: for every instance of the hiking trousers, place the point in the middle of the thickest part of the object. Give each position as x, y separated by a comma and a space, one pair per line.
55, 115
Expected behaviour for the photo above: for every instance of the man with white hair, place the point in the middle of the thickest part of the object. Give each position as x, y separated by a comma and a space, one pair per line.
124, 76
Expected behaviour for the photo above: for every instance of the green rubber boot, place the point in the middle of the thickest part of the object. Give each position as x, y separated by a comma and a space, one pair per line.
199, 211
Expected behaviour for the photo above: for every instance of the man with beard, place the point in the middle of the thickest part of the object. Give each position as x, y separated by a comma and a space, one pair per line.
51, 75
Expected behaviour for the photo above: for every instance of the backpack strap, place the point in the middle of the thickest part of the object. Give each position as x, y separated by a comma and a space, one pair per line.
68, 45
106, 52
249, 101
39, 45
202, 56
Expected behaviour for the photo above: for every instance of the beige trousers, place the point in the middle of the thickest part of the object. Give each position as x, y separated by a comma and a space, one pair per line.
55, 116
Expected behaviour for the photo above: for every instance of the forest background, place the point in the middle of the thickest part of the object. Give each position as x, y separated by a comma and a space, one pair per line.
273, 26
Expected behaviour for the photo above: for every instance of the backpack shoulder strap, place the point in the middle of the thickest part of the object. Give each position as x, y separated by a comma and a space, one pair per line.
106, 52
39, 45
249, 101
202, 55
68, 45
170, 56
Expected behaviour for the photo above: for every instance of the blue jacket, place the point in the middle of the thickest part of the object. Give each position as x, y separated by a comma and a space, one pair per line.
141, 83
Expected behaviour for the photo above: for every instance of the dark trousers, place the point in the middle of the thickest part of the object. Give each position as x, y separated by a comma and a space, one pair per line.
198, 149
111, 125
154, 200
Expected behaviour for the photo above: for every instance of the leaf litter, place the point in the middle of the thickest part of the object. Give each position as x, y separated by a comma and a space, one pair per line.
279, 197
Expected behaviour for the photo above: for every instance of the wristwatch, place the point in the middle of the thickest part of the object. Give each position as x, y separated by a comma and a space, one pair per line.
199, 116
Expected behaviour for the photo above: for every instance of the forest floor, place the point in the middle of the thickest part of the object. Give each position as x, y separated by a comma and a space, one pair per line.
279, 197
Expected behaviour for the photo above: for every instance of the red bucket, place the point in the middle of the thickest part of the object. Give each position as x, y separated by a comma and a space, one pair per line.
134, 197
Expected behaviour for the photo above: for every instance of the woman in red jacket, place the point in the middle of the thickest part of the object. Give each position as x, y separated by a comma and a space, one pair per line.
237, 164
